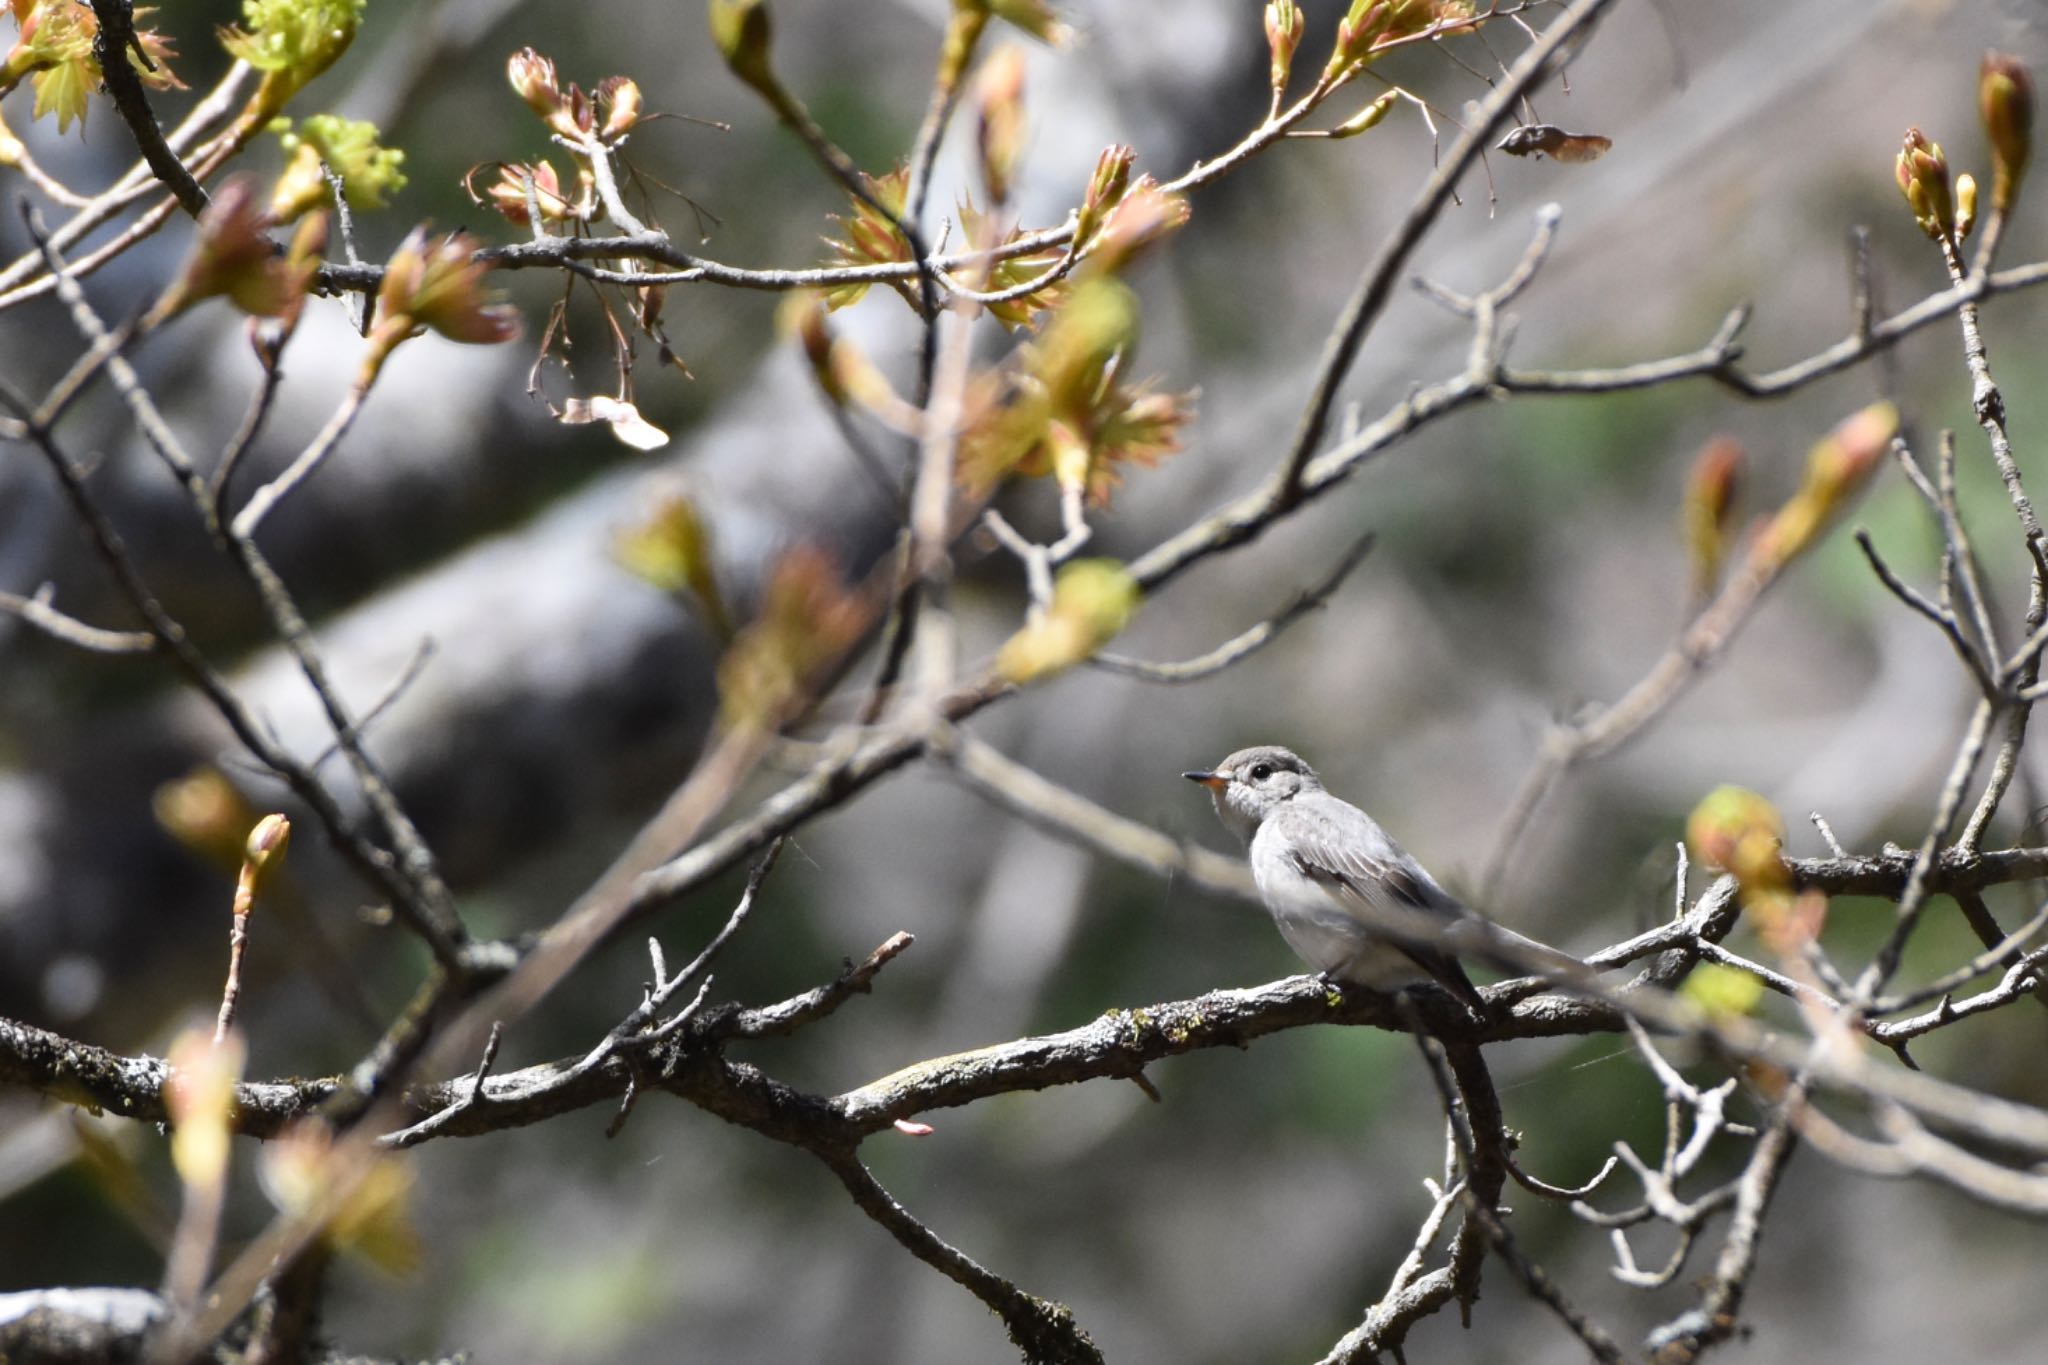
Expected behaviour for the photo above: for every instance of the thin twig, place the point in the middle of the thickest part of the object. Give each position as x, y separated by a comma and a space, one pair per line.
323, 444
37, 611
407, 676
1998, 952
1913, 897
1248, 642
1597, 1341
376, 864
111, 46
218, 485
428, 906
1376, 284
1610, 727
1043, 1330
1945, 621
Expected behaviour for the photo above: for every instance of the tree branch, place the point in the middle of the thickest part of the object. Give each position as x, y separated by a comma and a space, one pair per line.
111, 46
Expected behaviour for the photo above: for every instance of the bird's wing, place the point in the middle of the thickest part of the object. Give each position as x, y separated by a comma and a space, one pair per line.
1343, 850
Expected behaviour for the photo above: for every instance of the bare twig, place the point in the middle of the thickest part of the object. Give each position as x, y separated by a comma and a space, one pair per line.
37, 611
1549, 1191
2022, 978
1827, 832
1411, 1295
1248, 642
376, 864
1376, 284
323, 444
1776, 981
407, 676
1999, 951
1597, 1341
424, 898
1608, 728
1043, 1330
244, 439
776, 1020
1690, 1335
1913, 896
111, 47
441, 1119
1944, 620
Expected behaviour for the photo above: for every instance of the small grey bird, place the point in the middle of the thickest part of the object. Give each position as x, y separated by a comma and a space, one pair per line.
1335, 882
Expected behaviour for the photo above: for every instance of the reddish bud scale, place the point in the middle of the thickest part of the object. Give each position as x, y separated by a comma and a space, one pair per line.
439, 286
1922, 173
808, 619
1848, 455
999, 131
1788, 923
234, 256
620, 102
1709, 504
532, 77
1142, 217
2005, 102
1716, 472
1741, 832
508, 195
1284, 23
578, 114
1835, 469
1105, 188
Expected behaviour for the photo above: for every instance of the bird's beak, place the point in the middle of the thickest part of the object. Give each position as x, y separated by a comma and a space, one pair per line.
1215, 782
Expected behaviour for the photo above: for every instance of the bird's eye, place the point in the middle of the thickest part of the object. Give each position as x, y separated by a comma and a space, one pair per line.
1261, 771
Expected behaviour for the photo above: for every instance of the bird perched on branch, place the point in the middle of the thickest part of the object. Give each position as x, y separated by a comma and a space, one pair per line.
1348, 899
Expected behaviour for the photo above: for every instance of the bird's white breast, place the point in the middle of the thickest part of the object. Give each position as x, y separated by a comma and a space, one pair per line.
1318, 927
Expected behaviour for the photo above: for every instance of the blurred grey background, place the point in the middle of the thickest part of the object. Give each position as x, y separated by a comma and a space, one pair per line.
1528, 561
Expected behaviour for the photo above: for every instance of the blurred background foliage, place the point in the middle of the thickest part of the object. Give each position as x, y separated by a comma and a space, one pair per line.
1529, 559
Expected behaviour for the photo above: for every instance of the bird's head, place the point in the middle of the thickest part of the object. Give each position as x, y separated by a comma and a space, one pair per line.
1252, 783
